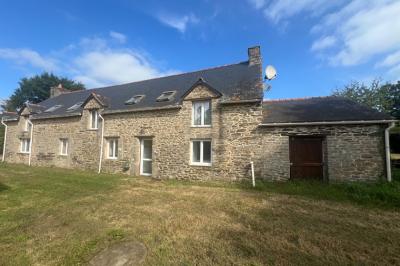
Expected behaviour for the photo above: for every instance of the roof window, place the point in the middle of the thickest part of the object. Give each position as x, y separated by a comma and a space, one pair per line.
53, 108
166, 96
74, 107
134, 100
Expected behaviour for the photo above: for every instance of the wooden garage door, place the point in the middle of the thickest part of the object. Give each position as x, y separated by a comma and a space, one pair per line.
306, 159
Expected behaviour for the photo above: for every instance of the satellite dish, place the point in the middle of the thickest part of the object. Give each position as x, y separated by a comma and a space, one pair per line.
270, 72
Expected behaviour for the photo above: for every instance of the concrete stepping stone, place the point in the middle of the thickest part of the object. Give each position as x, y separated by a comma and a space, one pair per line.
121, 254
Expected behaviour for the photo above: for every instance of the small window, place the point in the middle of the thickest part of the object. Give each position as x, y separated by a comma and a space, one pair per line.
74, 107
134, 100
166, 96
112, 149
94, 119
201, 152
201, 115
25, 145
53, 108
63, 146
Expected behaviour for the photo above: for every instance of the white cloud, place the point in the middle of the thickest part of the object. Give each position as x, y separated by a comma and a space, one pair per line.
374, 29
347, 32
28, 57
179, 23
323, 43
279, 10
390, 60
93, 61
113, 67
119, 37
257, 3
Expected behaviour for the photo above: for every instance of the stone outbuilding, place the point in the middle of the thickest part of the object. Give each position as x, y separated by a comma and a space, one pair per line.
207, 124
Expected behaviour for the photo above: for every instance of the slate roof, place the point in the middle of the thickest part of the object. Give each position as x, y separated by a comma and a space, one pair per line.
240, 81
318, 109
8, 116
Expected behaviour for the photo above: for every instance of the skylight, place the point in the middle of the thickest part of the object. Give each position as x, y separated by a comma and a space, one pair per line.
53, 108
134, 100
74, 107
166, 96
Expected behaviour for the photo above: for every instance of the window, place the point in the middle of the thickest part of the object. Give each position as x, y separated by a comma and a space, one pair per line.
201, 152
74, 107
63, 146
112, 149
94, 119
25, 145
201, 114
166, 96
53, 108
134, 100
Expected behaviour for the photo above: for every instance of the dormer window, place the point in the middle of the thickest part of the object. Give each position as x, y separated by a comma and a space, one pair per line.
94, 119
201, 114
134, 100
74, 107
166, 96
53, 108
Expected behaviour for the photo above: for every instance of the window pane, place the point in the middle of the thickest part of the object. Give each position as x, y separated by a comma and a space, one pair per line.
207, 113
207, 151
28, 144
116, 148
147, 149
94, 119
64, 146
197, 113
147, 167
196, 152
111, 148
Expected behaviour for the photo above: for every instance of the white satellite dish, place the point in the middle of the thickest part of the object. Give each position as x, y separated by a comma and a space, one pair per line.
270, 72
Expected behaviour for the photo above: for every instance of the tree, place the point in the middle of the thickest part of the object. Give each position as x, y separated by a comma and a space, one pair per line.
37, 89
384, 98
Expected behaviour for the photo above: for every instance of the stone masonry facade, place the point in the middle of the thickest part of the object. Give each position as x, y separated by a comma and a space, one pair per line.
350, 152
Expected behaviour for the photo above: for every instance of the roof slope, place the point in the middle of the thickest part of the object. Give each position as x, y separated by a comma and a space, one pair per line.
240, 81
318, 109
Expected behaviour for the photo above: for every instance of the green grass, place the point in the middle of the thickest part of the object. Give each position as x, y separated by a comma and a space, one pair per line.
52, 216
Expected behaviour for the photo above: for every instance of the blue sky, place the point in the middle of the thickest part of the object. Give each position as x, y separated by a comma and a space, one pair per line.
316, 45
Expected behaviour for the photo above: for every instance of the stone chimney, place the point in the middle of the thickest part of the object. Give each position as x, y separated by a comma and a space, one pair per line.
254, 55
58, 90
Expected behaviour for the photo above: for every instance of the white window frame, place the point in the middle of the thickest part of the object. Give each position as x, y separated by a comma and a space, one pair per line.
62, 141
96, 121
25, 146
145, 159
201, 163
202, 104
114, 143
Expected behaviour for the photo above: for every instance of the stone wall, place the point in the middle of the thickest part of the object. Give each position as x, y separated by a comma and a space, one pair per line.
353, 153
350, 152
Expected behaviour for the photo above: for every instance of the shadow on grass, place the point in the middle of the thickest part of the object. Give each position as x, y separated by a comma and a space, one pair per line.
379, 195
3, 187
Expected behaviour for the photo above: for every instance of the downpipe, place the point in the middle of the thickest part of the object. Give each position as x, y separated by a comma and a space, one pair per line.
387, 150
101, 142
31, 141
5, 138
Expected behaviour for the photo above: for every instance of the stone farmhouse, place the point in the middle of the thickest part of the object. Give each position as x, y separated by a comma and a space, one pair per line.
207, 124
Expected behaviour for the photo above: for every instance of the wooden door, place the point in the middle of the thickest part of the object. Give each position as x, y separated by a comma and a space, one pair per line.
306, 159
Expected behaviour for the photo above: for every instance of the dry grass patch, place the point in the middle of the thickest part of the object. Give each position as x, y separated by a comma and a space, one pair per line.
53, 217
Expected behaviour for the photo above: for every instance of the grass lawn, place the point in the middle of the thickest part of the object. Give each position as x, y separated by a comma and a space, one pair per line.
63, 217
